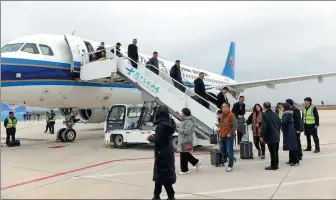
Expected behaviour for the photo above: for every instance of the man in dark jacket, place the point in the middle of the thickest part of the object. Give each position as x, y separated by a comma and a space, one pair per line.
270, 134
298, 126
175, 73
118, 53
132, 53
102, 51
222, 98
200, 89
238, 110
153, 63
164, 164
10, 125
311, 122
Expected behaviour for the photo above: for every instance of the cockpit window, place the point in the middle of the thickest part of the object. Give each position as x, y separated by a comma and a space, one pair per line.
30, 48
11, 47
46, 50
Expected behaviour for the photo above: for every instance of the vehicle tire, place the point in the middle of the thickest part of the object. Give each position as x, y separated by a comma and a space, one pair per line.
118, 141
175, 142
69, 135
59, 134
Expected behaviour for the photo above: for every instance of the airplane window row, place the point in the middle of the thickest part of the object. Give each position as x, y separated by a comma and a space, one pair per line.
28, 48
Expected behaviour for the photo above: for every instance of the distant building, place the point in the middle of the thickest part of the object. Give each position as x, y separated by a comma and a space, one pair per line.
18, 111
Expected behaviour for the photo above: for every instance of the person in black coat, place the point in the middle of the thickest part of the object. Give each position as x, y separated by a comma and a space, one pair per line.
102, 51
270, 134
238, 109
132, 52
222, 98
175, 73
164, 164
298, 126
200, 90
289, 135
118, 53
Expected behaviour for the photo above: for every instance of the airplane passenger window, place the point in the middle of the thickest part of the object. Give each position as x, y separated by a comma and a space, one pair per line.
11, 47
46, 50
30, 48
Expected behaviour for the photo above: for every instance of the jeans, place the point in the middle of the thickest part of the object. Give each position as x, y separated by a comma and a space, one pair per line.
226, 148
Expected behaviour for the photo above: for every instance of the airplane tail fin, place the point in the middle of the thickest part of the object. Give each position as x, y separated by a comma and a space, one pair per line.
229, 68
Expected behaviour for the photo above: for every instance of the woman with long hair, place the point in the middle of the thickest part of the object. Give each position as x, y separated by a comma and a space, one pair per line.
255, 120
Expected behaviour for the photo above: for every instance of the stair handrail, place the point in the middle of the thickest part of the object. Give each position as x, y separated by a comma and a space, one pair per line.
192, 92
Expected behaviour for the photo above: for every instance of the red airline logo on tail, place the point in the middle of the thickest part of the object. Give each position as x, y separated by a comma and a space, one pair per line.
231, 61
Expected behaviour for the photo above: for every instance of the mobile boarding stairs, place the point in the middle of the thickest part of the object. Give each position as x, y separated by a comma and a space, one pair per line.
153, 87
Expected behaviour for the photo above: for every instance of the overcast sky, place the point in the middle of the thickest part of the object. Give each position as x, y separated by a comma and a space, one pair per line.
273, 39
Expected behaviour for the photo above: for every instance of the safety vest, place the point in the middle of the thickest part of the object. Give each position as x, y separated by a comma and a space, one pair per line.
53, 119
11, 123
308, 115
280, 113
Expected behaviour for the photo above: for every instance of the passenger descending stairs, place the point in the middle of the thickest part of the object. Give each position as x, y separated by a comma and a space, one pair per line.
153, 87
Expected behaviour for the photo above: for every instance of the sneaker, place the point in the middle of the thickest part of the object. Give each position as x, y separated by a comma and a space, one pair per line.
294, 164
229, 169
183, 173
198, 165
317, 151
262, 157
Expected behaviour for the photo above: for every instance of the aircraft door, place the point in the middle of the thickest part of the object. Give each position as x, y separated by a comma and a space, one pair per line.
78, 52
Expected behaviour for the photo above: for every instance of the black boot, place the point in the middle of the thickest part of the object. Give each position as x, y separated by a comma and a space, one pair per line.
156, 198
171, 198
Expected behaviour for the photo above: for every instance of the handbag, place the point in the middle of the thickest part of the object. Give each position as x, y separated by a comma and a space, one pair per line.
187, 146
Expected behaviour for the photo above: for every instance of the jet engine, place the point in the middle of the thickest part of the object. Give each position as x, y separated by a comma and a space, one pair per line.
92, 116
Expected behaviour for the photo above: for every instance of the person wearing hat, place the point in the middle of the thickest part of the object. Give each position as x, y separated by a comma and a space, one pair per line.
310, 119
222, 98
101, 52
298, 126
175, 74
118, 53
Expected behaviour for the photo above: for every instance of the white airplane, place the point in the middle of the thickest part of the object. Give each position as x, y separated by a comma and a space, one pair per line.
40, 70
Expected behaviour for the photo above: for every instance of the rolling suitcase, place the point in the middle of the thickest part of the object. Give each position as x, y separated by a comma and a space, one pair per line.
246, 146
216, 157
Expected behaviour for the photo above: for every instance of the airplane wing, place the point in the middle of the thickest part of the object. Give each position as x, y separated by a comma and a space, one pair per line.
272, 82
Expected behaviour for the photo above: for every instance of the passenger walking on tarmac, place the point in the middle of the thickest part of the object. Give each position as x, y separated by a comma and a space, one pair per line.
47, 123
289, 135
255, 119
176, 75
200, 90
270, 134
52, 120
118, 53
222, 98
298, 126
10, 124
238, 109
164, 164
311, 122
102, 52
186, 141
227, 130
153, 63
132, 53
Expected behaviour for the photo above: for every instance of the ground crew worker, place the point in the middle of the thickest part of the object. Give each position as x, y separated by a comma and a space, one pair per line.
48, 123
278, 110
10, 124
101, 54
52, 120
310, 119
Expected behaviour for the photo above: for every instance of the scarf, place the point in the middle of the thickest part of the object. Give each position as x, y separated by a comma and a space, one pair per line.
256, 119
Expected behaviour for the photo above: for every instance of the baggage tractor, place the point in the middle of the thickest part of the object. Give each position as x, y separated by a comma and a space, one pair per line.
216, 157
246, 146
14, 143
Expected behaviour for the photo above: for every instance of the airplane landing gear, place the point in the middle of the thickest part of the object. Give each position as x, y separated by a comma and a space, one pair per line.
67, 134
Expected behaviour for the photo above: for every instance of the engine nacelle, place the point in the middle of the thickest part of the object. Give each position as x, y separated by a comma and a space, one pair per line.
92, 115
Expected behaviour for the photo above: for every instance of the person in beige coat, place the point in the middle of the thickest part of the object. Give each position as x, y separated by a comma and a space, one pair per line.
185, 142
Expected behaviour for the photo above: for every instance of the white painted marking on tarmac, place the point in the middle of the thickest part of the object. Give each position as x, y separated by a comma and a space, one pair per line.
256, 187
203, 166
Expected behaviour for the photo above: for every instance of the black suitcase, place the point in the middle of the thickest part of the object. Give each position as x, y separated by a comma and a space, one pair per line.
14, 143
216, 158
246, 147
